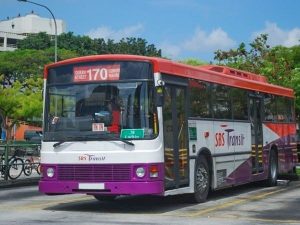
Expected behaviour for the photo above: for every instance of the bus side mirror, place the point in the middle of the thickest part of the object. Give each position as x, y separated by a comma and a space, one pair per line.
159, 96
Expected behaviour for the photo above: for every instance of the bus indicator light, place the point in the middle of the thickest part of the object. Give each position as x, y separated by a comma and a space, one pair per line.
153, 171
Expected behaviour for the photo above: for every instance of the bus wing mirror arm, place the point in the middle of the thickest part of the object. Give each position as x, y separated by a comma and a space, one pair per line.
159, 96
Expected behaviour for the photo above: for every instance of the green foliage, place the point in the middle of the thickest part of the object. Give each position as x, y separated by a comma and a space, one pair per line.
20, 101
240, 58
21, 79
84, 45
28, 63
193, 62
35, 41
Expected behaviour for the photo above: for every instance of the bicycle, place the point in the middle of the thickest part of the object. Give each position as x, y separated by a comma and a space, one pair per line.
14, 166
32, 163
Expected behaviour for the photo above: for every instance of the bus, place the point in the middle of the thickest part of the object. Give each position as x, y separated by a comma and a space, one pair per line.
134, 125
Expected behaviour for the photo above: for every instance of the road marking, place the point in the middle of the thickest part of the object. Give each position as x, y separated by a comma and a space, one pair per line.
273, 221
241, 200
51, 203
232, 203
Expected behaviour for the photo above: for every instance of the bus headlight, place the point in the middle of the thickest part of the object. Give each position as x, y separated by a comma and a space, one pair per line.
140, 172
50, 172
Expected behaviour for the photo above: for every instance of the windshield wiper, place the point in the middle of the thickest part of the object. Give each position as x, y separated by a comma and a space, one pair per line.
120, 139
111, 138
58, 144
94, 136
67, 139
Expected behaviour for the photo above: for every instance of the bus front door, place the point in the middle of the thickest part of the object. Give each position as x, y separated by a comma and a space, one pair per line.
175, 137
256, 134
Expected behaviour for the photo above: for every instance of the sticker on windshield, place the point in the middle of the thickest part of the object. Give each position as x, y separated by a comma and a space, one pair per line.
98, 127
96, 73
132, 133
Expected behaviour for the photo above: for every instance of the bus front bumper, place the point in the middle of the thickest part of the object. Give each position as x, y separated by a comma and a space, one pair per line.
109, 188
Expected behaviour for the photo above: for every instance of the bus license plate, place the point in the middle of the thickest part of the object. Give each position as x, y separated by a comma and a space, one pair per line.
91, 186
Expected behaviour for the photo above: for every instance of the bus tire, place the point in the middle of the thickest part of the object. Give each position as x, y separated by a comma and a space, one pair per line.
105, 198
201, 180
273, 169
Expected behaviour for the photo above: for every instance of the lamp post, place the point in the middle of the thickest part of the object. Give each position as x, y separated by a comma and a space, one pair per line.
55, 37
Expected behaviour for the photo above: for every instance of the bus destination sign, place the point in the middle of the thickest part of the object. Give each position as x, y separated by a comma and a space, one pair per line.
96, 73
132, 133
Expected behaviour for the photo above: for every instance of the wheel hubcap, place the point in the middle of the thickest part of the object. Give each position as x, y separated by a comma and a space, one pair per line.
201, 179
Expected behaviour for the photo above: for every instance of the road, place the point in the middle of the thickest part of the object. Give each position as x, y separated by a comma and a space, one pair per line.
249, 204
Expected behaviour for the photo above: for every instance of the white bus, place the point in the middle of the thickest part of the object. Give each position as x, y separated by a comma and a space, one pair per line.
133, 125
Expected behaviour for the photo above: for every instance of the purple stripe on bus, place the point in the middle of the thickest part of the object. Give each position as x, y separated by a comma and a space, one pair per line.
286, 162
117, 178
111, 188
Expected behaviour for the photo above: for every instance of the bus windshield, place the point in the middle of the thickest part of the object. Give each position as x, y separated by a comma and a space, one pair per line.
100, 111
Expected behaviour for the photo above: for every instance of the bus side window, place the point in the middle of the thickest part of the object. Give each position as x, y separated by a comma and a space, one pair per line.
239, 104
221, 102
200, 99
270, 108
282, 109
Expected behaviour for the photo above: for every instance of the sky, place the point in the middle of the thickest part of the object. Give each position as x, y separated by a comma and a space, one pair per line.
182, 29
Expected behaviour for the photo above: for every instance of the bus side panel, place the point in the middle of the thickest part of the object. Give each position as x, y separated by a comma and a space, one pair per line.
223, 153
241, 140
283, 137
229, 144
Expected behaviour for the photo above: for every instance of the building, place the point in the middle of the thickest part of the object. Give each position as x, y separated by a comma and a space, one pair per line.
17, 28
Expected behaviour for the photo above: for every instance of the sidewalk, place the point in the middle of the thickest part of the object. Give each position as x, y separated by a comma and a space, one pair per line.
20, 181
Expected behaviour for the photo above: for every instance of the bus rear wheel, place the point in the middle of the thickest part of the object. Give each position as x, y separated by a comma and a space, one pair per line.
273, 170
105, 198
202, 180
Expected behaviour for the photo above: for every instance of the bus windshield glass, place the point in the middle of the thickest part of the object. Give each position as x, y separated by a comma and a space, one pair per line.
100, 111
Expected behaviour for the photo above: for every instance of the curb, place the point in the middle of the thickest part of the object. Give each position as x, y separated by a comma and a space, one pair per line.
19, 183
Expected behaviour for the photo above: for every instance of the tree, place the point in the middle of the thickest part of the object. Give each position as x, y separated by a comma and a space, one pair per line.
35, 41
22, 64
21, 79
84, 45
252, 60
193, 62
20, 102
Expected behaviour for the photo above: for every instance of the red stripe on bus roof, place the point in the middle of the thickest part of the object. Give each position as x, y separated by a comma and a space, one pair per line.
182, 70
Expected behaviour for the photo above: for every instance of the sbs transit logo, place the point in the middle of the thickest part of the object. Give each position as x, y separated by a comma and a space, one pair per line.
90, 158
228, 138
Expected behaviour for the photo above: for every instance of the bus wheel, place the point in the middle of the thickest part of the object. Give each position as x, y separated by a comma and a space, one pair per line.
273, 170
202, 180
105, 198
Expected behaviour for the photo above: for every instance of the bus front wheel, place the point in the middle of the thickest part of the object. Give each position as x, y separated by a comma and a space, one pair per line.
202, 180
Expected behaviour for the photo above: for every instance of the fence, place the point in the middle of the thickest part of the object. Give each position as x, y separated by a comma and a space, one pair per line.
19, 158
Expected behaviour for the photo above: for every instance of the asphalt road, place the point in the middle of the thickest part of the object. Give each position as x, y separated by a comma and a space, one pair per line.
249, 204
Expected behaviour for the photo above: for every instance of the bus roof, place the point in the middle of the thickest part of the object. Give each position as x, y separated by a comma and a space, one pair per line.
211, 73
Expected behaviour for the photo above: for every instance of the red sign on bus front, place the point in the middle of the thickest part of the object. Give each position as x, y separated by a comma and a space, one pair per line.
96, 73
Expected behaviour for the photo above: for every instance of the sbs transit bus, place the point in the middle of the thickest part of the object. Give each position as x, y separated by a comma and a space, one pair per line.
134, 125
